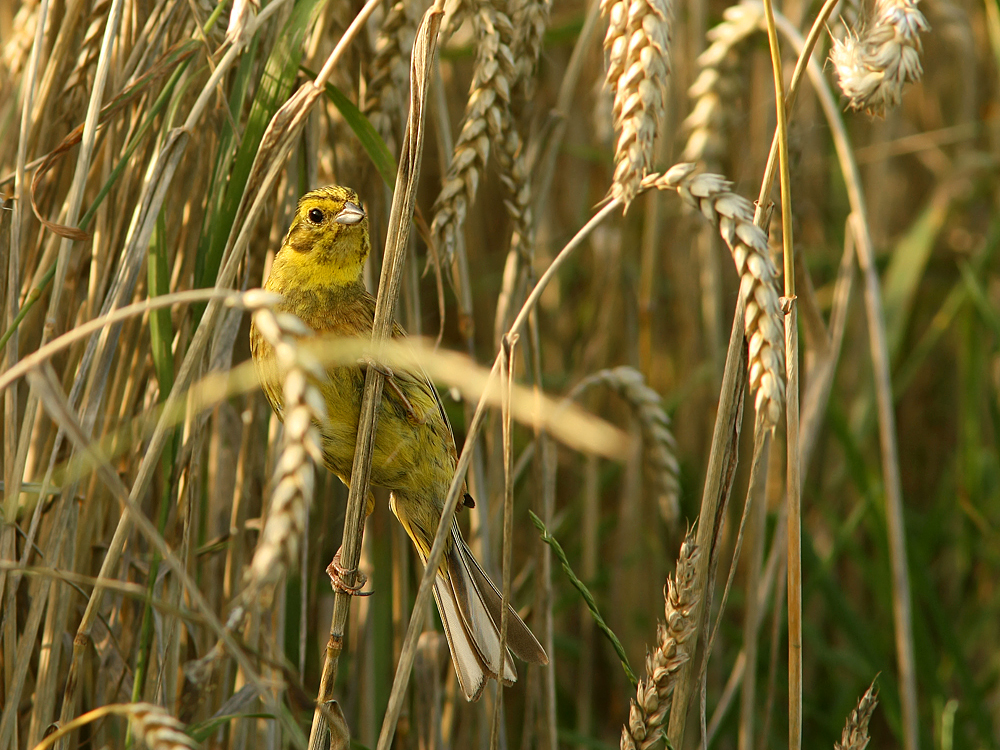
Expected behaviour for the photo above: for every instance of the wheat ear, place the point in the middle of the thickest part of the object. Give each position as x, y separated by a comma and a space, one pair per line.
658, 441
489, 99
874, 64
89, 48
651, 704
763, 321
638, 45
855, 734
385, 96
294, 475
717, 84
530, 19
157, 728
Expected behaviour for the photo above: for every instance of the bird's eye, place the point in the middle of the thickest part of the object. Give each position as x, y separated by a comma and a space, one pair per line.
315, 216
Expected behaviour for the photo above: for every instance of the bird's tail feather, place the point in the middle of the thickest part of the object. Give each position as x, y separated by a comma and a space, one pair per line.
473, 634
520, 639
470, 606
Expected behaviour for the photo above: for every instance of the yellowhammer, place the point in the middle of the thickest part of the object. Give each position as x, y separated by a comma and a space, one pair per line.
318, 273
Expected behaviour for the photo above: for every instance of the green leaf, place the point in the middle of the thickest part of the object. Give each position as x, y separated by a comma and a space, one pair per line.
275, 87
588, 598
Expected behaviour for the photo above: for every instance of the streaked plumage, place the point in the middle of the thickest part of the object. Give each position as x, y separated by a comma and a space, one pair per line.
318, 272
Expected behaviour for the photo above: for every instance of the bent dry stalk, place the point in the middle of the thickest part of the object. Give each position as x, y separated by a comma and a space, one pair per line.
763, 320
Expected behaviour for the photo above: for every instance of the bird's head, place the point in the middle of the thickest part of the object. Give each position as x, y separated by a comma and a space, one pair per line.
327, 243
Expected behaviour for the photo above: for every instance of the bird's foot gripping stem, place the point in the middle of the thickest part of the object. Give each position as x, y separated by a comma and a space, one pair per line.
338, 578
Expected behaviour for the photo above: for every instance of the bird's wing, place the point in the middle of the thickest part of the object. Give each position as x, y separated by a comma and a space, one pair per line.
418, 388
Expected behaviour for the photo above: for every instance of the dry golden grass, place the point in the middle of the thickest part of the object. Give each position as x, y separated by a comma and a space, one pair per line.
149, 496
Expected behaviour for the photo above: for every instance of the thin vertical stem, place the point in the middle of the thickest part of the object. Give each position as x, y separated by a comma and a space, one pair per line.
791, 403
400, 217
718, 484
506, 382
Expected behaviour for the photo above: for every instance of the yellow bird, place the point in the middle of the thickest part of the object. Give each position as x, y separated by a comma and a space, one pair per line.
318, 273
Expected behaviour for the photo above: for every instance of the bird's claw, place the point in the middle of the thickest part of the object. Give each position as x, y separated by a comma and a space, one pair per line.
338, 578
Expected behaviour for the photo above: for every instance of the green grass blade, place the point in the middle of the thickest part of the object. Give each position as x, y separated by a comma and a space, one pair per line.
275, 87
588, 598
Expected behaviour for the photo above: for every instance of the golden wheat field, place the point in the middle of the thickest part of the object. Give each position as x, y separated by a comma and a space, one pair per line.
710, 295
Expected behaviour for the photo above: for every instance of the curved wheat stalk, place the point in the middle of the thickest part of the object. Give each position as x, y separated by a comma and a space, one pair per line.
874, 64
763, 321
659, 445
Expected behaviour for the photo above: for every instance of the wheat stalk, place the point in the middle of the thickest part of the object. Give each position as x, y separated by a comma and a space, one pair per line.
638, 45
488, 106
651, 705
763, 322
294, 475
874, 64
716, 86
855, 734
658, 440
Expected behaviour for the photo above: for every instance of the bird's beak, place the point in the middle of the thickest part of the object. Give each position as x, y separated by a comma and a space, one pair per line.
350, 214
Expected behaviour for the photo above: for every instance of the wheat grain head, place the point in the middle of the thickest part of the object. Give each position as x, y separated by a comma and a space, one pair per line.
763, 321
873, 64
659, 445
651, 705
855, 734
716, 86
638, 46
488, 105
157, 728
294, 475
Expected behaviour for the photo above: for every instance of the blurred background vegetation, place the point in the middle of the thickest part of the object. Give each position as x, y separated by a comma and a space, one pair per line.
144, 205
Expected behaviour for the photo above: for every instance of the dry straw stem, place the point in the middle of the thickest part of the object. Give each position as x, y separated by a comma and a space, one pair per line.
855, 734
464, 459
763, 321
638, 45
488, 107
793, 465
400, 217
651, 705
659, 445
902, 606
294, 475
873, 64
152, 724
715, 87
